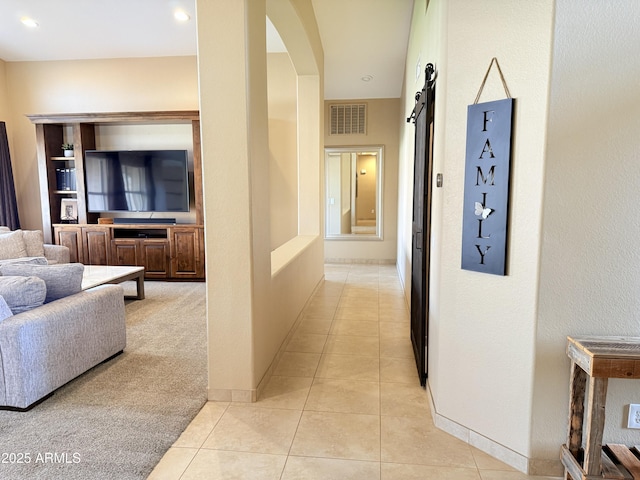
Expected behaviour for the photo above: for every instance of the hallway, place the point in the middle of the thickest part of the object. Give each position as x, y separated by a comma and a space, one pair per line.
344, 402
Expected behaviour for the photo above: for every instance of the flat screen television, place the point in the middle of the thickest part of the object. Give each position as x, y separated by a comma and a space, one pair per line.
137, 180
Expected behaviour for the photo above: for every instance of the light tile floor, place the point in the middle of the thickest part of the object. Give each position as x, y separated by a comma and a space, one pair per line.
343, 403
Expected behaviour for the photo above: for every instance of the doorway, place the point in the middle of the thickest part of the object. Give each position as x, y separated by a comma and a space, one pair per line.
423, 117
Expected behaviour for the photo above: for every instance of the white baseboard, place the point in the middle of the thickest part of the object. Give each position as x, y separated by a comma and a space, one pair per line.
231, 395
492, 448
361, 261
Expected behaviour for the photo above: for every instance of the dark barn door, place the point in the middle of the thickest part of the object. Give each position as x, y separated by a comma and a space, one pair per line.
423, 116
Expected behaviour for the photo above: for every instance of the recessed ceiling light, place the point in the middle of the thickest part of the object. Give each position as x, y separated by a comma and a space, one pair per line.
367, 78
29, 22
181, 15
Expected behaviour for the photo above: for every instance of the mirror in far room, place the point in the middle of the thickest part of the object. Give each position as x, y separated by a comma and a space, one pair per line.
353, 193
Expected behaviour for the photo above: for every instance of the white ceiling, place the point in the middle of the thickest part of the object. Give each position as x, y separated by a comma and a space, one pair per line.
360, 37
363, 37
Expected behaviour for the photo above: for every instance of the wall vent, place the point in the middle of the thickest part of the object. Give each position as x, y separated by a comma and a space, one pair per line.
348, 119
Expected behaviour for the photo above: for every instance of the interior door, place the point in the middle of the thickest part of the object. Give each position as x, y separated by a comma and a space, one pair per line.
423, 116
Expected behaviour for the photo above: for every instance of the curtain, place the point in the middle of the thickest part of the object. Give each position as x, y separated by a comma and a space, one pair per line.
8, 204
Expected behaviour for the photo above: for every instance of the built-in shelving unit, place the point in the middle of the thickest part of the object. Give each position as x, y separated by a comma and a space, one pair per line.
166, 251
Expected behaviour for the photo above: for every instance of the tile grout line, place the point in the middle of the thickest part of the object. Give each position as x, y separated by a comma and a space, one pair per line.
313, 378
203, 442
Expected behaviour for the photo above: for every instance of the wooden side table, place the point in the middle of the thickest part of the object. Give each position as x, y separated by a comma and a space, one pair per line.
598, 358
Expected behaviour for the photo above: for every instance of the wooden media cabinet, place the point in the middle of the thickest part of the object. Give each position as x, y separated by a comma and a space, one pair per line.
172, 252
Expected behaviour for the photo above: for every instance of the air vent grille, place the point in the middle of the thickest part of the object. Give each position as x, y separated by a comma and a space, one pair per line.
348, 119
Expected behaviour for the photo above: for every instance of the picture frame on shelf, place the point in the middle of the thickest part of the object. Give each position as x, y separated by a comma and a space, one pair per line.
69, 210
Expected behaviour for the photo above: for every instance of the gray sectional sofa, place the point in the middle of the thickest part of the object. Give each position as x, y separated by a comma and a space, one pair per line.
50, 330
43, 348
32, 246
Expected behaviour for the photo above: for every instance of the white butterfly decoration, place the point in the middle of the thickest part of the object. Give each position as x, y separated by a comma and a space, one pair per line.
480, 210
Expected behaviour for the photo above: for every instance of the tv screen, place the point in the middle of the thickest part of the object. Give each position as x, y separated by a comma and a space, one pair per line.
137, 181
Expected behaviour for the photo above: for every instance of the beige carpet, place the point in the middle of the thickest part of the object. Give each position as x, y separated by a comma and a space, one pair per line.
117, 420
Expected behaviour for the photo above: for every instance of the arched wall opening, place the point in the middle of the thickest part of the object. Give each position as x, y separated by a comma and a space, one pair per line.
254, 292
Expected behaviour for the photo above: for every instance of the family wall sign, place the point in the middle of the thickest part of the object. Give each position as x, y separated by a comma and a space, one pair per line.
486, 184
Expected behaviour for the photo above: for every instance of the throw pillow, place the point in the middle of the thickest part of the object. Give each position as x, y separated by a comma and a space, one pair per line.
34, 242
12, 245
5, 311
61, 280
22, 293
5, 229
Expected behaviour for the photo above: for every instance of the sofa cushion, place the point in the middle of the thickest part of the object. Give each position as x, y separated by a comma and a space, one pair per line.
22, 293
34, 242
5, 311
61, 280
12, 245
30, 260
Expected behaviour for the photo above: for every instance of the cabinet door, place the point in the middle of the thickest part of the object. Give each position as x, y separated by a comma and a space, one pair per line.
153, 255
96, 243
70, 237
156, 258
187, 253
125, 252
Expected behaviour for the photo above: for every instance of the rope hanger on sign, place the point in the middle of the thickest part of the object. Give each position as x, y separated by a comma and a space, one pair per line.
484, 80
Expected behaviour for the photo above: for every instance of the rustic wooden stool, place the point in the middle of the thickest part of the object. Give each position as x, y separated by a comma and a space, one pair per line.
600, 358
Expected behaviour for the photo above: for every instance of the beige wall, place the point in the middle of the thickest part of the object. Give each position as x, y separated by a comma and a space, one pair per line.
4, 97
5, 114
246, 324
589, 276
382, 129
117, 85
491, 320
283, 148
366, 201
482, 327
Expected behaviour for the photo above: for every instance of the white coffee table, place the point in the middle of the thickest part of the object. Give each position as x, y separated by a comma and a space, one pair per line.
95, 275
